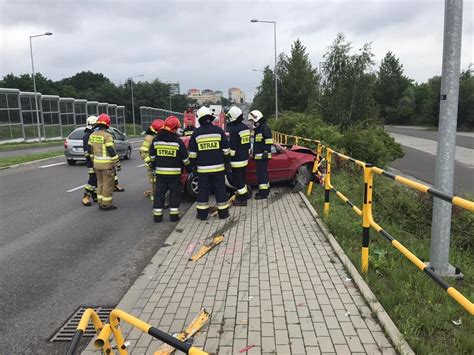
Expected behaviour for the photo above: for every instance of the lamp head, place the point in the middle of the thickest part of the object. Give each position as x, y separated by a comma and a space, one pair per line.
253, 20
48, 33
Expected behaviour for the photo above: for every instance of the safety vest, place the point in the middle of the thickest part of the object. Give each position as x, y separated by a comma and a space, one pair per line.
145, 148
100, 141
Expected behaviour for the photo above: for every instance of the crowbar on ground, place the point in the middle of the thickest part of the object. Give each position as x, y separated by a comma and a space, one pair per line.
206, 248
185, 335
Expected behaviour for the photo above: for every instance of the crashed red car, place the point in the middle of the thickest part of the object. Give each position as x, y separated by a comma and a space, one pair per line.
289, 163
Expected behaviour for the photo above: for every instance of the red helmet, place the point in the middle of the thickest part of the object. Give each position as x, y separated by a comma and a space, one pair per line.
172, 123
157, 125
104, 120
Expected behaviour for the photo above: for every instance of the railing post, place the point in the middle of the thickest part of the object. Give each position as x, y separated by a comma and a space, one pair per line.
366, 215
297, 140
327, 182
309, 191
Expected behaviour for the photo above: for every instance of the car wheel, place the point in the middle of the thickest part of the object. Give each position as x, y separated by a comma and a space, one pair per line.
71, 161
128, 155
303, 175
192, 185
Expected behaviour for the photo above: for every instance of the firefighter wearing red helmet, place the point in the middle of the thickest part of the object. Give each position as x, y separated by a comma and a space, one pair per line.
168, 156
151, 133
105, 159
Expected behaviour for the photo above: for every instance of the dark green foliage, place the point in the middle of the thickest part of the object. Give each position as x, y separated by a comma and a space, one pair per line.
366, 141
97, 87
264, 99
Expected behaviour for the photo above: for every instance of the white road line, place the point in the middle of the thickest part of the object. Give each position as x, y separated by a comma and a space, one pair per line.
136, 141
76, 188
139, 166
136, 148
50, 165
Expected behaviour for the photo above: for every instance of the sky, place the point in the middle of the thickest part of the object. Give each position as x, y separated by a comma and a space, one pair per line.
212, 44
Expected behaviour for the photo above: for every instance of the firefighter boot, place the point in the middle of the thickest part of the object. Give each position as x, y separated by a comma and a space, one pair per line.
87, 199
223, 214
157, 219
94, 197
174, 217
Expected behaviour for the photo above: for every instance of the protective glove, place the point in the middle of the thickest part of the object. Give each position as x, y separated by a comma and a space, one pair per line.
265, 155
150, 165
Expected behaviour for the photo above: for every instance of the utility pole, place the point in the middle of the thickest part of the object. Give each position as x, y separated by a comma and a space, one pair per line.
448, 112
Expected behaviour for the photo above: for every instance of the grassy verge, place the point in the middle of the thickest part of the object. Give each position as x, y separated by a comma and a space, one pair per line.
129, 130
5, 162
17, 146
421, 309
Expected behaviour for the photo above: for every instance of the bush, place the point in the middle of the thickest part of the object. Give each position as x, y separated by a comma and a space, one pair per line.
367, 142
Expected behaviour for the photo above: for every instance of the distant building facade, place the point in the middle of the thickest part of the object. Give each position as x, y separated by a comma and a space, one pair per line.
236, 95
205, 96
174, 88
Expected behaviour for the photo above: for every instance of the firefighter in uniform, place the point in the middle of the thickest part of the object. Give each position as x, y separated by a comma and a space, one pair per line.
90, 193
151, 133
239, 140
209, 152
106, 160
168, 155
261, 151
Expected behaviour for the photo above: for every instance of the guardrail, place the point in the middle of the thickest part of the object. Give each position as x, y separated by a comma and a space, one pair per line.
366, 212
113, 328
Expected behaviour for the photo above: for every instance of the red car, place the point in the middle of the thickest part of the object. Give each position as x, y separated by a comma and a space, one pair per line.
289, 163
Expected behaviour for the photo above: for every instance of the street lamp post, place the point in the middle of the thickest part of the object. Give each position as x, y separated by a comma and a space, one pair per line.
133, 104
262, 71
34, 80
275, 70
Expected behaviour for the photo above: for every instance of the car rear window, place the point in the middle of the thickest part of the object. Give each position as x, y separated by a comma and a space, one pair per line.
77, 134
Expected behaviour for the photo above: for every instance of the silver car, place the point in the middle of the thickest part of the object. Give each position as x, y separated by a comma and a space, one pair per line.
74, 150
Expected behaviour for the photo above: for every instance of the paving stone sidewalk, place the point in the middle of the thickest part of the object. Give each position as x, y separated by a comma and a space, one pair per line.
274, 286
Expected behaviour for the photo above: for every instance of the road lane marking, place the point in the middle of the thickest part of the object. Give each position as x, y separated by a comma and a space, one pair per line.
136, 141
50, 165
136, 148
76, 188
139, 166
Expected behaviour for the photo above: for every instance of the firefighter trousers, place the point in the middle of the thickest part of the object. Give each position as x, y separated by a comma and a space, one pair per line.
238, 180
164, 183
208, 183
105, 186
262, 177
91, 186
151, 179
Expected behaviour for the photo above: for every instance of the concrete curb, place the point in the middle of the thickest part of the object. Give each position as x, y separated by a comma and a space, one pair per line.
29, 162
386, 322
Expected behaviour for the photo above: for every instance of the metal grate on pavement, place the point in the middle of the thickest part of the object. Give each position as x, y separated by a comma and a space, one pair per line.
66, 332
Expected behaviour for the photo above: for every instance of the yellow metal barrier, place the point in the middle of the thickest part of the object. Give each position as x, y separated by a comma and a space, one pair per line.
368, 221
88, 315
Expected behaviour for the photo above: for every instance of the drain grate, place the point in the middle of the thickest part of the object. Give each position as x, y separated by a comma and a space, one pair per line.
66, 332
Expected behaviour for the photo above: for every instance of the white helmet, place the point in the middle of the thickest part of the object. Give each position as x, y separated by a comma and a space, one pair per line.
234, 113
91, 120
255, 116
203, 112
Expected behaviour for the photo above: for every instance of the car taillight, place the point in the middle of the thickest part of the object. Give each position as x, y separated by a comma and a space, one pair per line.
65, 143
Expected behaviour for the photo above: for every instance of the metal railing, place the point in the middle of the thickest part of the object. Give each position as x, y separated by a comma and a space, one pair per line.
366, 214
113, 329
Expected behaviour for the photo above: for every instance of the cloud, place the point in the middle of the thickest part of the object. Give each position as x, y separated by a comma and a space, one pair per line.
212, 44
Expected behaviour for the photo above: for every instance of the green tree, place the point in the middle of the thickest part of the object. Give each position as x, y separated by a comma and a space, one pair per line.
298, 80
348, 88
466, 99
391, 90
264, 99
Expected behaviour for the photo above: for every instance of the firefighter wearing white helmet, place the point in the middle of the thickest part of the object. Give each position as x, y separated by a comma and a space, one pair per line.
91, 186
262, 145
209, 153
239, 140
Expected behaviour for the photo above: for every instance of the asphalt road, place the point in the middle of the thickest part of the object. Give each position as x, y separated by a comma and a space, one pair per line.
56, 255
29, 151
421, 165
462, 140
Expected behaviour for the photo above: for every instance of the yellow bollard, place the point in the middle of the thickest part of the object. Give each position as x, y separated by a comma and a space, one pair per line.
309, 191
327, 182
366, 215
